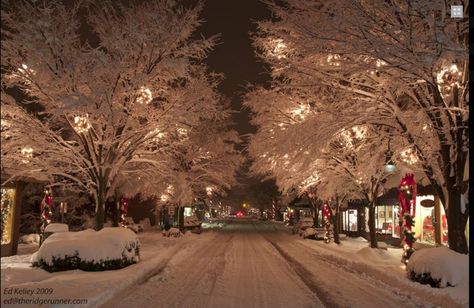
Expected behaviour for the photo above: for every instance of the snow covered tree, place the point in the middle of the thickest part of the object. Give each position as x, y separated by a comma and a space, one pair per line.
398, 65
106, 96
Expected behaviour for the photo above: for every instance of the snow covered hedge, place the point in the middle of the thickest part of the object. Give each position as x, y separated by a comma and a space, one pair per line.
439, 267
88, 250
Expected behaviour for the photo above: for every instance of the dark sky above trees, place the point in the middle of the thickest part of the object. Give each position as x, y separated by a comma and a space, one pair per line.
236, 58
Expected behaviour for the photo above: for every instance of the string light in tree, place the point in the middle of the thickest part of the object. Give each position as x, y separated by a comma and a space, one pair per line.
81, 124
145, 96
409, 156
27, 153
447, 78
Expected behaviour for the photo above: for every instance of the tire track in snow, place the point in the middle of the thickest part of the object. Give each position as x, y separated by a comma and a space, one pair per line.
305, 275
320, 279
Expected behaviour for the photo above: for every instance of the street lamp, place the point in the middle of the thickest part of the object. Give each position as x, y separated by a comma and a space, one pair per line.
389, 164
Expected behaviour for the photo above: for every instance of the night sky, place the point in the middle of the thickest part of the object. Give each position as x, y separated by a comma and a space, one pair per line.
235, 57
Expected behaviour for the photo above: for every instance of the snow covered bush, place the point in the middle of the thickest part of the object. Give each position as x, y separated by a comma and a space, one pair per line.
146, 224
31, 238
439, 267
88, 250
172, 232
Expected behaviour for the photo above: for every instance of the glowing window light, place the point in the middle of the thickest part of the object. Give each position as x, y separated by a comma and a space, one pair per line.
81, 124
144, 96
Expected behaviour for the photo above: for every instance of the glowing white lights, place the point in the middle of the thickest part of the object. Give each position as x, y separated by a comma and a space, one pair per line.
144, 96
209, 190
183, 132
25, 70
166, 196
27, 153
81, 124
334, 60
280, 49
301, 111
447, 78
409, 156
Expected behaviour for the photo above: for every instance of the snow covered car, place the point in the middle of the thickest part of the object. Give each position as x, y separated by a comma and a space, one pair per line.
301, 225
129, 223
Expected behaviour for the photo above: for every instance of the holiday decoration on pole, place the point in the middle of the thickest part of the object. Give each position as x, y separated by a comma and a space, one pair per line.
327, 225
46, 208
124, 211
407, 198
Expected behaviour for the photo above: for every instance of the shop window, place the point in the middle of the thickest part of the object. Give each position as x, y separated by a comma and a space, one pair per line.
428, 228
384, 219
396, 221
444, 226
7, 198
350, 220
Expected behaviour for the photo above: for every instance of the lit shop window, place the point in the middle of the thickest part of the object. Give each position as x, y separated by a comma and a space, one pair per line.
8, 196
349, 219
384, 220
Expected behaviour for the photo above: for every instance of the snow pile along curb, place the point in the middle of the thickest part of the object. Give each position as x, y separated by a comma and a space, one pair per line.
443, 265
109, 248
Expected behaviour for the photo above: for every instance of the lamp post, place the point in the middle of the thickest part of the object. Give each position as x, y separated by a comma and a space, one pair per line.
389, 165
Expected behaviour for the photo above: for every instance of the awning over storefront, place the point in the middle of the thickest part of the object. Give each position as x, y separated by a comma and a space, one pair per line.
391, 196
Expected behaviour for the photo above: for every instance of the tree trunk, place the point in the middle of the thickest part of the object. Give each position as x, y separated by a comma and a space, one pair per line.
100, 211
372, 234
336, 222
116, 212
456, 223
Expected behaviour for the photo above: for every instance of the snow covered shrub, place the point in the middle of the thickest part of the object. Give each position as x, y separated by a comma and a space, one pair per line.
174, 232
88, 250
439, 267
32, 238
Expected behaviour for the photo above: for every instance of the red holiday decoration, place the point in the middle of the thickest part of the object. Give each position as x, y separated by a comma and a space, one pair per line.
407, 198
124, 211
46, 206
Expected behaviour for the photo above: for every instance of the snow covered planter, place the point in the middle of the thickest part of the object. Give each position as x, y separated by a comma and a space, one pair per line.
88, 250
439, 267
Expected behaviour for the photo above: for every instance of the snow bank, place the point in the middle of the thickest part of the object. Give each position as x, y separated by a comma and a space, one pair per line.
146, 224
31, 238
108, 244
441, 263
55, 227
174, 232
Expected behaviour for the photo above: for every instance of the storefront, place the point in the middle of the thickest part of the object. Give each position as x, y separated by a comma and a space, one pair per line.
430, 219
352, 218
10, 217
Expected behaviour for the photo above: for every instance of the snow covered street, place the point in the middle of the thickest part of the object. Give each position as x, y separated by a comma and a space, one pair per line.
259, 264
239, 263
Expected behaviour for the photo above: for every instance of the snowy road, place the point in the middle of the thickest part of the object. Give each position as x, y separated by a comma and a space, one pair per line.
257, 264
